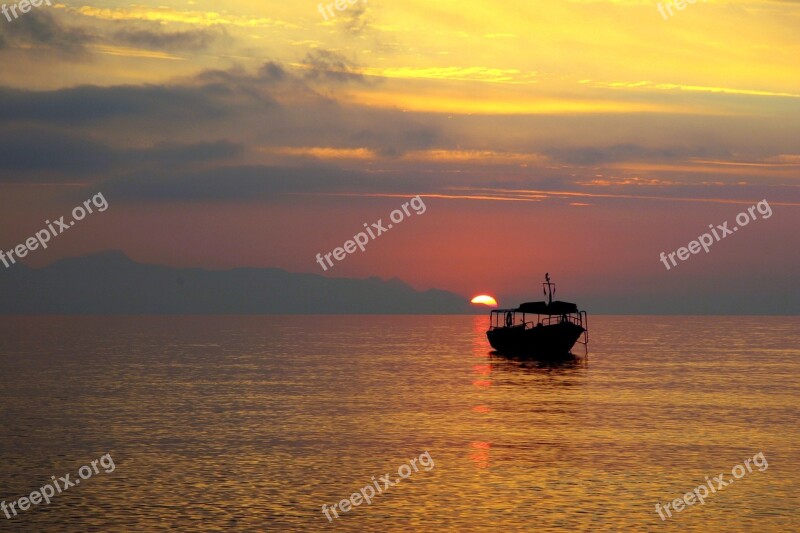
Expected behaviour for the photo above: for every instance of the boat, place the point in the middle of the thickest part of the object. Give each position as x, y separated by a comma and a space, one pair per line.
555, 331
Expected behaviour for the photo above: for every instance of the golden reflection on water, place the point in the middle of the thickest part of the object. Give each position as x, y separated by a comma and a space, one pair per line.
479, 454
253, 423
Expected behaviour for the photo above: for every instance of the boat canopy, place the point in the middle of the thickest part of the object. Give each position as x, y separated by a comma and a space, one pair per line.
541, 308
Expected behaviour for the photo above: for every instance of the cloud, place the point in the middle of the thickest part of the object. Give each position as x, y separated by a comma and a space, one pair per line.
269, 75
155, 38
623, 152
272, 72
394, 143
46, 31
277, 117
40, 154
173, 153
31, 155
272, 106
86, 104
330, 66
40, 29
168, 15
253, 182
356, 20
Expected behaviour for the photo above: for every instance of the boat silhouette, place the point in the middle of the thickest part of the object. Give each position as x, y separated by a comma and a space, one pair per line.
557, 328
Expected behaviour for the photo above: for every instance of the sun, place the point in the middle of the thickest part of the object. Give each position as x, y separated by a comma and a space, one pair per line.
485, 300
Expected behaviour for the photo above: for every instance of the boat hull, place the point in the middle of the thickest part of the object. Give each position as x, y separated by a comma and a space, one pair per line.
543, 341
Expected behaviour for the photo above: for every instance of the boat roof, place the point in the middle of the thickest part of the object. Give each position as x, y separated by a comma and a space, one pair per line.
541, 308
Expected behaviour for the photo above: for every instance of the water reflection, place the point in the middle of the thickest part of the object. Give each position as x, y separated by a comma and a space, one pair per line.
253, 423
480, 453
502, 362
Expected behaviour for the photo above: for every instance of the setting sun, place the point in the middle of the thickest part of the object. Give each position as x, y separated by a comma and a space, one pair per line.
485, 300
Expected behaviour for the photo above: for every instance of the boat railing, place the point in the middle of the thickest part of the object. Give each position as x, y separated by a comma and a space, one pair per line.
498, 319
585, 325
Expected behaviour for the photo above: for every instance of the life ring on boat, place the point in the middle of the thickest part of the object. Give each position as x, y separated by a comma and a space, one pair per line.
509, 319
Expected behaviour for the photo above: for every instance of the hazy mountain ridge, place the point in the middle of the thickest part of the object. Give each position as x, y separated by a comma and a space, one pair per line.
111, 283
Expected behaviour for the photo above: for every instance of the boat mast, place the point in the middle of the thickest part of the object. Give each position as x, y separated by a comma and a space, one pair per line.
550, 290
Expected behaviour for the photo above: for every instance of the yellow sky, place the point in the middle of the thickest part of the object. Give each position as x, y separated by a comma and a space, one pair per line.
564, 47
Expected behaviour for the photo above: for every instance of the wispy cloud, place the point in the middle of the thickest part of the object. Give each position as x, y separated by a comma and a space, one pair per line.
169, 14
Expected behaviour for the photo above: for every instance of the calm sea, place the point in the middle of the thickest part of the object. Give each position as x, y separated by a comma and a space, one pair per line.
253, 423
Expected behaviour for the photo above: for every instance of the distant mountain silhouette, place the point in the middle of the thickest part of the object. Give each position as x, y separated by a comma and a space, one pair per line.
111, 283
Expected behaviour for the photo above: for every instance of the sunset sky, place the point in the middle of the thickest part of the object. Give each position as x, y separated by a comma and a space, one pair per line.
581, 138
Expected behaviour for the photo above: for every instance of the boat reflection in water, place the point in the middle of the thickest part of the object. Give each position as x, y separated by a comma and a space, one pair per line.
501, 362
557, 328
